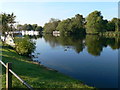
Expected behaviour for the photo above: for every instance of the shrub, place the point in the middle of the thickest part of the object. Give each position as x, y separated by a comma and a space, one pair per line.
24, 46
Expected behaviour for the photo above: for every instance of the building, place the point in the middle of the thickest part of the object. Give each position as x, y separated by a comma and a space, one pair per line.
9, 40
56, 33
30, 32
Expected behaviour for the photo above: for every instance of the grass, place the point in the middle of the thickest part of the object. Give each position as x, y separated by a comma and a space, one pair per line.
36, 75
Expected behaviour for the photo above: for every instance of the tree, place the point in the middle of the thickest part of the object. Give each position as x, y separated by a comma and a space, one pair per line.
78, 24
51, 25
73, 25
24, 46
4, 22
118, 25
95, 23
0, 23
34, 26
115, 24
110, 26
39, 28
64, 26
7, 21
11, 20
29, 27
19, 27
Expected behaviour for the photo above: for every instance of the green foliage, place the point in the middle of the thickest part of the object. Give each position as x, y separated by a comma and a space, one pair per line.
24, 46
34, 26
11, 19
64, 26
24, 27
4, 22
95, 23
51, 25
0, 23
114, 25
39, 28
19, 27
72, 26
110, 26
7, 19
29, 27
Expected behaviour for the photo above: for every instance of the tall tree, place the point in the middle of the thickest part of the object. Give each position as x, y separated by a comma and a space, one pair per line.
34, 26
110, 26
64, 26
7, 21
24, 27
39, 28
0, 23
78, 24
95, 22
114, 25
11, 20
51, 25
4, 22
73, 25
29, 27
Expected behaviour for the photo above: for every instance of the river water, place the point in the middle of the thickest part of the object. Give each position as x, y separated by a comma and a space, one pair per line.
91, 59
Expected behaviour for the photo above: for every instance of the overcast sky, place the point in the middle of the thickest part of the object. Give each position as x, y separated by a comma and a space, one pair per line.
41, 12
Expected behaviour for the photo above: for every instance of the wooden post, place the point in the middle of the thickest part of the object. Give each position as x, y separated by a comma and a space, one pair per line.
8, 76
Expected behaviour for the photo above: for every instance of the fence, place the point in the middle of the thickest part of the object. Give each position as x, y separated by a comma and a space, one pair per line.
9, 74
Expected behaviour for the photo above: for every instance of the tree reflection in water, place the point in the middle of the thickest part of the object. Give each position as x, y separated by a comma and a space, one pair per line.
94, 43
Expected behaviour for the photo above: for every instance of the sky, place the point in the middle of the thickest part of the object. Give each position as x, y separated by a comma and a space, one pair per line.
41, 12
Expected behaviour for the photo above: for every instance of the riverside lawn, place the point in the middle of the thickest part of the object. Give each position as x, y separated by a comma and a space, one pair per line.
34, 74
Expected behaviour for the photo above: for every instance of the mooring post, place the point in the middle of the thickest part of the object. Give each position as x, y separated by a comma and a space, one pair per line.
8, 76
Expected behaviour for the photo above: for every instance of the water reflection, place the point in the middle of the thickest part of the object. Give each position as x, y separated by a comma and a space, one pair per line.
94, 43
91, 58
74, 56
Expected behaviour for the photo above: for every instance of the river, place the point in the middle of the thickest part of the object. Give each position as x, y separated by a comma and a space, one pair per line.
91, 59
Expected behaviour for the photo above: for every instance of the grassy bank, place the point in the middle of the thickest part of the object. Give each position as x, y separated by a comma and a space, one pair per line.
35, 75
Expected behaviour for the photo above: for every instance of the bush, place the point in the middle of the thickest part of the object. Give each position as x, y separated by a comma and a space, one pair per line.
24, 46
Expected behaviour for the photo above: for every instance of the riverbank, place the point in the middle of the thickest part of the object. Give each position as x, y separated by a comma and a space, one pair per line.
34, 74
110, 34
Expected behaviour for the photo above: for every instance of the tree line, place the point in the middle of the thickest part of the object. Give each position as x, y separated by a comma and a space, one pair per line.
29, 27
92, 24
7, 22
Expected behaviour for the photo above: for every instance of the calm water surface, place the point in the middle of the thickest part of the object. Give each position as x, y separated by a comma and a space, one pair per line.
91, 59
